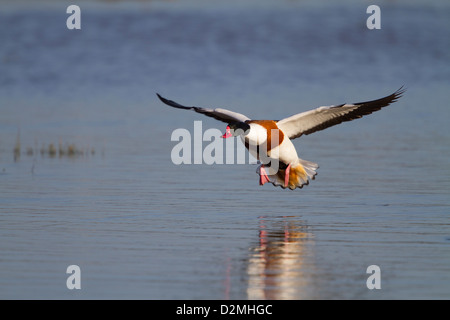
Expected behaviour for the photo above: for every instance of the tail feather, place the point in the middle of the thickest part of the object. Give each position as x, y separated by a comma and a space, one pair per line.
310, 168
301, 172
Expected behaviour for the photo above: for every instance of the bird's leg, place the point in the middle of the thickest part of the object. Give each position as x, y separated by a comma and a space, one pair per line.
286, 175
263, 178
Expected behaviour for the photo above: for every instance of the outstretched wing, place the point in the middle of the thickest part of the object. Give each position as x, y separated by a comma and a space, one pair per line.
218, 113
325, 117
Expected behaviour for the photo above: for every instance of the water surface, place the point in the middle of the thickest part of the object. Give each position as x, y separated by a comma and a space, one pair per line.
140, 227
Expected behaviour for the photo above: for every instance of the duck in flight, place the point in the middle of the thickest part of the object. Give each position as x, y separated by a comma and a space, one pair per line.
271, 139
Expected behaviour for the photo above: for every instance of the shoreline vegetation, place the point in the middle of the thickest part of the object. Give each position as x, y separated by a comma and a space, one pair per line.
52, 150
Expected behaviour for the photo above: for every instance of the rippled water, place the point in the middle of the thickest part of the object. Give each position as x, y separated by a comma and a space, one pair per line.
139, 226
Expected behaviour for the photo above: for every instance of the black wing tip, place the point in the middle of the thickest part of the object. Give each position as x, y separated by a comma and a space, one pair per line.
400, 91
397, 94
172, 103
388, 99
161, 98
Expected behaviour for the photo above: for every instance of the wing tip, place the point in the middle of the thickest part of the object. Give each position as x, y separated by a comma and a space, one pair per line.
400, 91
161, 98
398, 94
172, 103
388, 99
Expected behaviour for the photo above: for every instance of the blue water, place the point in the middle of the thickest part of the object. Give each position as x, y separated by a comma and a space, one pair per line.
140, 227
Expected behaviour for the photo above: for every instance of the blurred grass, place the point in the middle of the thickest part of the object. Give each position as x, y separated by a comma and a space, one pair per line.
50, 150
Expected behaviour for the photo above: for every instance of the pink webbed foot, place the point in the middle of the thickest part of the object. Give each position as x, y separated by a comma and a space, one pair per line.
286, 175
263, 178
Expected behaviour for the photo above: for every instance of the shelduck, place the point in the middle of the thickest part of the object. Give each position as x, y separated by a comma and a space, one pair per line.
269, 141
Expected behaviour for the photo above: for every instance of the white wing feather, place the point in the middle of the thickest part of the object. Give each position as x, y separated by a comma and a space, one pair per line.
324, 117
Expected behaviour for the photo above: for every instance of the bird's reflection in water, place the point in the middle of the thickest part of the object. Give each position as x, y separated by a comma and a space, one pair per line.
281, 265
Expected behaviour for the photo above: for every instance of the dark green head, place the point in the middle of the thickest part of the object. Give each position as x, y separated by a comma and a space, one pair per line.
235, 129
